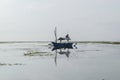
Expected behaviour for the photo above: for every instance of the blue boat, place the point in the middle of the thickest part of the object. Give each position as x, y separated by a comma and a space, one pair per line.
62, 45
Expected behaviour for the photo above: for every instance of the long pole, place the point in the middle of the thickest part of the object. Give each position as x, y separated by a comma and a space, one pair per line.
55, 32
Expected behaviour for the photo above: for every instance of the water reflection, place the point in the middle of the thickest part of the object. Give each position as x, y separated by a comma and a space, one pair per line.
61, 52
67, 52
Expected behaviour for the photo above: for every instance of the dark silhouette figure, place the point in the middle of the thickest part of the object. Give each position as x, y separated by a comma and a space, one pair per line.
67, 37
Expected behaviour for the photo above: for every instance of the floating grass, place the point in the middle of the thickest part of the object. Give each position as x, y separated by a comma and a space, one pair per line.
37, 53
9, 64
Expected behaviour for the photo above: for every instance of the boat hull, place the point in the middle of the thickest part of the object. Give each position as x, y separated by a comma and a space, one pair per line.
62, 45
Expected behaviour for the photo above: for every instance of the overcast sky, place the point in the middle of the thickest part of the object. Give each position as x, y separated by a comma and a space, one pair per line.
84, 20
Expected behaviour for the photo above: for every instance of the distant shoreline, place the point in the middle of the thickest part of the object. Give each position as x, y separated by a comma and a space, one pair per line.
100, 42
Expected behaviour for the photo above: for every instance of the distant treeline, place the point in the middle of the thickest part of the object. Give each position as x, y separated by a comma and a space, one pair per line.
3, 42
101, 42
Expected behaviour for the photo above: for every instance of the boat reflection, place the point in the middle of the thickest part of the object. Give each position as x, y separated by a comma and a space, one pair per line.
65, 53
61, 52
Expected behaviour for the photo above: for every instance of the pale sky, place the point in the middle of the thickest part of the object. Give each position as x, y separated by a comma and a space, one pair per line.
84, 20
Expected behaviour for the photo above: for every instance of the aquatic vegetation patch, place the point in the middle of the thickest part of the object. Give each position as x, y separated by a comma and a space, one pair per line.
9, 64
37, 53
87, 50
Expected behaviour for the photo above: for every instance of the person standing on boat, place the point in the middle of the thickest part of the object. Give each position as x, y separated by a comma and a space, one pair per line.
67, 37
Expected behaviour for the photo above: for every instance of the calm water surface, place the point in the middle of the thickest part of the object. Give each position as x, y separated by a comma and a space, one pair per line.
88, 62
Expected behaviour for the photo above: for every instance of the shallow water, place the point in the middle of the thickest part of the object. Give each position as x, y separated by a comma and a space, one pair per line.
88, 62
